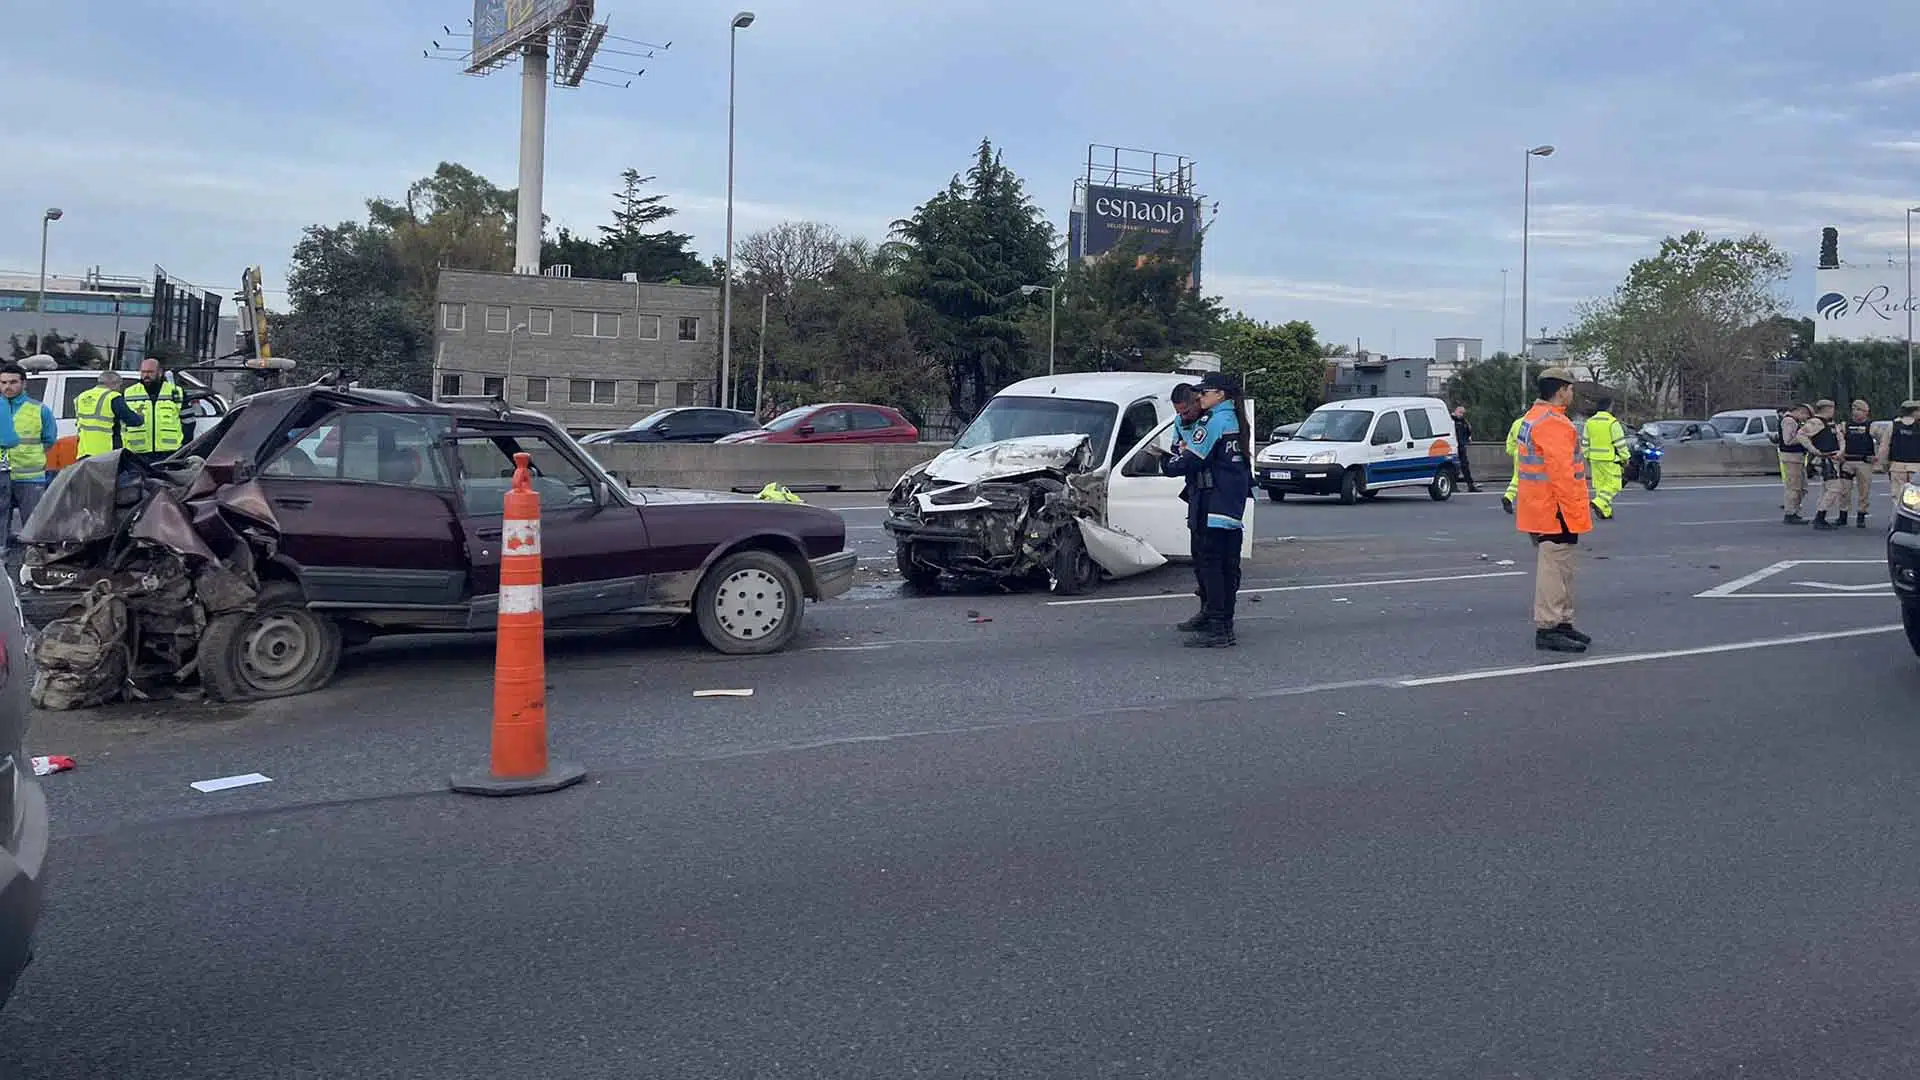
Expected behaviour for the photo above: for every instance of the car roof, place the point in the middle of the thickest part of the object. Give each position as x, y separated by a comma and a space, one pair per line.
1386, 403
1119, 387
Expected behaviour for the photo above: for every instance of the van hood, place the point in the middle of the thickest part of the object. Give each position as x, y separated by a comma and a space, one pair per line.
1011, 457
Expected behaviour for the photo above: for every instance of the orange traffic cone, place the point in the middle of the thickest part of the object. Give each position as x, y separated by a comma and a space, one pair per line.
519, 764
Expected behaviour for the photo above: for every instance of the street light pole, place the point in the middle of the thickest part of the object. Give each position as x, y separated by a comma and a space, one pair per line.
52, 214
1052, 307
740, 22
1526, 228
760, 369
1503, 309
1911, 210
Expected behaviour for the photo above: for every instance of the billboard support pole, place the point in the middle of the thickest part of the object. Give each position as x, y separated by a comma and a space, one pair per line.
533, 158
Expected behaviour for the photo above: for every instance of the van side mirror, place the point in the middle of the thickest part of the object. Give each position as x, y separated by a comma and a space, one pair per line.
1144, 463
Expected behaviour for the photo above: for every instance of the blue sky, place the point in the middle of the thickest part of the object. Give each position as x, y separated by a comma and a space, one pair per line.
1366, 155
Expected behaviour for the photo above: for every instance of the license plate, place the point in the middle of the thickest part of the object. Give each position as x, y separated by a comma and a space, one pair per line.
1283, 474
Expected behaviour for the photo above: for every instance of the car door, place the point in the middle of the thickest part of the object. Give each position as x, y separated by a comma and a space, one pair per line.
871, 425
594, 549
1140, 501
828, 426
365, 507
1387, 450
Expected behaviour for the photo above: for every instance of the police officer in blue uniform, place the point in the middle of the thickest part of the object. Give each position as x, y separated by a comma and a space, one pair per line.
1213, 458
1187, 410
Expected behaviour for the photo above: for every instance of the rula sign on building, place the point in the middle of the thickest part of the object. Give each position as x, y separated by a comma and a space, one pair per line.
1861, 303
1116, 213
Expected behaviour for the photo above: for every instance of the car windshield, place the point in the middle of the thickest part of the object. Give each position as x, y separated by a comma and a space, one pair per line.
1335, 425
1666, 429
1022, 417
1729, 422
651, 420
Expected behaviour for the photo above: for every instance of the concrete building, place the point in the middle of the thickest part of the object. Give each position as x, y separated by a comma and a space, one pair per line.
97, 308
1451, 356
592, 354
1377, 375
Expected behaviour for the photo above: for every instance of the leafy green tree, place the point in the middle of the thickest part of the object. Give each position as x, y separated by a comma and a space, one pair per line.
1875, 371
627, 246
1695, 319
455, 217
1128, 311
969, 249
69, 352
1281, 367
1490, 390
352, 312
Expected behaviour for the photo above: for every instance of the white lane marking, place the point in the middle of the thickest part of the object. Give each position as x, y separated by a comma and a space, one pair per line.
1809, 595
1730, 521
225, 782
1640, 658
1719, 592
849, 509
1292, 588
1844, 588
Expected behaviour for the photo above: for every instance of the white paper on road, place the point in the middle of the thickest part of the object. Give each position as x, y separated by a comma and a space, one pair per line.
723, 693
225, 782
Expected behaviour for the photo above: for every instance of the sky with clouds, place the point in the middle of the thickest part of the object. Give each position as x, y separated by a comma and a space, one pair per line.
1366, 156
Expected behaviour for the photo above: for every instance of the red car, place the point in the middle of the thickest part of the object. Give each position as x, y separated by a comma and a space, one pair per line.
840, 422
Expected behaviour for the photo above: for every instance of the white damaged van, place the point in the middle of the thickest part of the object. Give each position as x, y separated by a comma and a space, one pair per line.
1051, 481
1358, 448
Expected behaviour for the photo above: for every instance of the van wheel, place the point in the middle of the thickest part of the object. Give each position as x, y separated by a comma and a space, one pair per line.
1276, 495
912, 571
1350, 487
749, 604
278, 649
1072, 570
1443, 485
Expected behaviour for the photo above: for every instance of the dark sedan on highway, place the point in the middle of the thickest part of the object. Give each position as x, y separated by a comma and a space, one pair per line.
689, 424
372, 512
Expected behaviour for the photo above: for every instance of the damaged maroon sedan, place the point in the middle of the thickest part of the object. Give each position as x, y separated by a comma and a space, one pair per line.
316, 517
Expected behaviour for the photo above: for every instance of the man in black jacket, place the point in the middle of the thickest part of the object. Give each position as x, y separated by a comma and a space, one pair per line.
1464, 432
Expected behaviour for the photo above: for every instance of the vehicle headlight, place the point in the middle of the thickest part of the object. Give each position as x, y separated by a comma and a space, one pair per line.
1324, 457
1910, 499
1271, 453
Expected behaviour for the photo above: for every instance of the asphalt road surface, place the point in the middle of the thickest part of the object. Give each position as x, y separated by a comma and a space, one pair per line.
997, 834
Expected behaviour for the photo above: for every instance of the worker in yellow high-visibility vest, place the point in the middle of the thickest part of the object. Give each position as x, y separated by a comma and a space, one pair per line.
1513, 451
27, 432
159, 404
100, 415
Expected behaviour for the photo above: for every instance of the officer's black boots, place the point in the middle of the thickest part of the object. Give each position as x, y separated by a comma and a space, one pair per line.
1566, 629
1212, 635
1194, 624
1556, 640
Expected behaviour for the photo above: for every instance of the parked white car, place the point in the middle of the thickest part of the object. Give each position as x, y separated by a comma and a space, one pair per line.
1052, 480
1748, 427
1358, 448
59, 390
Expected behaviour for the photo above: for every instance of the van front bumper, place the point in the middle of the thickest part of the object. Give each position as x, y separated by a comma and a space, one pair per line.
1903, 557
1296, 479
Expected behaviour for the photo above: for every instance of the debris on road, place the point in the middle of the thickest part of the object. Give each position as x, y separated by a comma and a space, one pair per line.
224, 783
53, 763
1504, 562
723, 693
976, 617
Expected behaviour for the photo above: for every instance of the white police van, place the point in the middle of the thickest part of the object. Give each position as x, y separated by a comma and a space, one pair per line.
1358, 448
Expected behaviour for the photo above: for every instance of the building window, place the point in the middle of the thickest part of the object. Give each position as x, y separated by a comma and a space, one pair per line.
536, 391
540, 321
493, 386
449, 386
453, 317
590, 391
689, 328
649, 327
646, 393
686, 393
496, 319
604, 324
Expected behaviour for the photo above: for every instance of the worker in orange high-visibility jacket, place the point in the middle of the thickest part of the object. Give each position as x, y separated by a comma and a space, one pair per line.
1552, 508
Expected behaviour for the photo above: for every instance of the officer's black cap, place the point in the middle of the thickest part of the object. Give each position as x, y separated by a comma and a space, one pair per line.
1221, 381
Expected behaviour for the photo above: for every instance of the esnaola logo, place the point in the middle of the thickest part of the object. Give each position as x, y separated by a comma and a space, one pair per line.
1832, 306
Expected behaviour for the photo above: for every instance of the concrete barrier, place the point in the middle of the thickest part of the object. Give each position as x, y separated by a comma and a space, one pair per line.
877, 466
749, 467
1683, 461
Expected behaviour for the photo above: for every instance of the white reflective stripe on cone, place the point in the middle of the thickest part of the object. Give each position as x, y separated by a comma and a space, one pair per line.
519, 599
520, 537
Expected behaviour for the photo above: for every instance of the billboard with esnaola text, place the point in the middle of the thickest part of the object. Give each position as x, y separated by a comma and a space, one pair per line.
500, 26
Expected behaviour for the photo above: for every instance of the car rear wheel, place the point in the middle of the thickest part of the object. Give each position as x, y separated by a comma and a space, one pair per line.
749, 604
1442, 487
278, 649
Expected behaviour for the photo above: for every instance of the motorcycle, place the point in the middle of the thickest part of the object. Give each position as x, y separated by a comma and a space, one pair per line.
1643, 461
